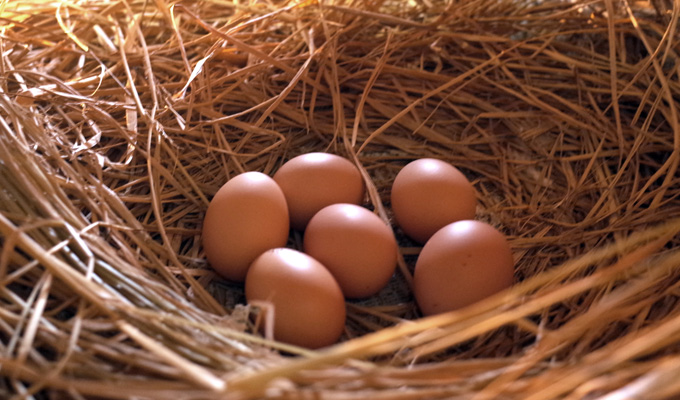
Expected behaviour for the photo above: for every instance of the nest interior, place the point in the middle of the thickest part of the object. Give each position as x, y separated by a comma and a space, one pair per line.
121, 119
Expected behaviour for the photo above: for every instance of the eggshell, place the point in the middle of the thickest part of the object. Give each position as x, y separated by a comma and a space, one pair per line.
462, 263
313, 181
356, 246
428, 194
308, 306
247, 216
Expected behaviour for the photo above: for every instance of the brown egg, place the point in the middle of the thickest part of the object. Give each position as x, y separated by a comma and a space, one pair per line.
313, 181
355, 245
462, 263
308, 306
247, 216
428, 194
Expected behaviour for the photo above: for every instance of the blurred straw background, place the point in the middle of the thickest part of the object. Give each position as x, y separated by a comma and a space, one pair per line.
120, 119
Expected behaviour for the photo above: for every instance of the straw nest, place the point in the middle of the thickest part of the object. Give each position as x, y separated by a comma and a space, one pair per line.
120, 120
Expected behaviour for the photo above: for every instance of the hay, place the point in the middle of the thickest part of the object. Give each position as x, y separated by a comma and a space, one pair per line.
120, 120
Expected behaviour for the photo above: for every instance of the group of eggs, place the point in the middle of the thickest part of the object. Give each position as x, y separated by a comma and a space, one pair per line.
348, 250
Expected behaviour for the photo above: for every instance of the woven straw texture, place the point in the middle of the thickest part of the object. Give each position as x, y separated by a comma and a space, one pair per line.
119, 120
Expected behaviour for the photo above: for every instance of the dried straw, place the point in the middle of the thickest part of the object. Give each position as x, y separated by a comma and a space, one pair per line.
121, 119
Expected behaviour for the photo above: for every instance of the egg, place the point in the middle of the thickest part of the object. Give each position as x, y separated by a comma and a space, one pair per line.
356, 246
306, 301
247, 216
313, 181
428, 194
461, 264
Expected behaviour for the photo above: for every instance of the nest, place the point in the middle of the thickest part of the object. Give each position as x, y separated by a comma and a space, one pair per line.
120, 120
